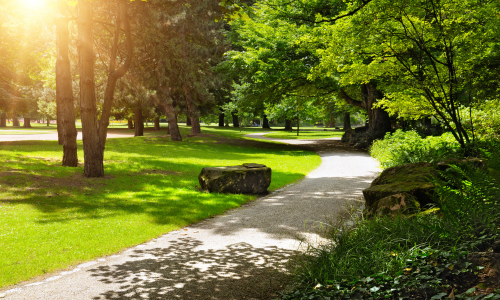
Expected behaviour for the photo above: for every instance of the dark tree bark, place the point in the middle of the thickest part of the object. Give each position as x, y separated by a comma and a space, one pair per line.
192, 111
48, 121
347, 122
379, 120
265, 122
298, 125
130, 124
236, 122
3, 120
27, 123
168, 104
188, 121
139, 123
114, 74
66, 128
15, 122
331, 122
221, 119
288, 124
157, 124
92, 149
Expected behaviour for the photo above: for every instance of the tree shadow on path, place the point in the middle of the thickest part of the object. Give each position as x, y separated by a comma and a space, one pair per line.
180, 271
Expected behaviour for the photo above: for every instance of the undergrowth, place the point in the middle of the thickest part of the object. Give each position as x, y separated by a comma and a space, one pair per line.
422, 256
402, 147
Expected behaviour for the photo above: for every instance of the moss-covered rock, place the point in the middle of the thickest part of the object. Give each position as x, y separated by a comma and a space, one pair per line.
410, 179
244, 179
402, 203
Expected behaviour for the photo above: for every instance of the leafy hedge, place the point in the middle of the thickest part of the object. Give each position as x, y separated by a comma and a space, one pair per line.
402, 147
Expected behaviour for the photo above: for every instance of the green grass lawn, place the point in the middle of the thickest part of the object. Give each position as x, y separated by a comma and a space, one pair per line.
304, 135
51, 217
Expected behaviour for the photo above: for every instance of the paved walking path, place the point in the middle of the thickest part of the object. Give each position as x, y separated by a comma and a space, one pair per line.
239, 255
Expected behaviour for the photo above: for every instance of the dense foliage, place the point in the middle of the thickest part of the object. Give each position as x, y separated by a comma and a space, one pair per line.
421, 256
403, 147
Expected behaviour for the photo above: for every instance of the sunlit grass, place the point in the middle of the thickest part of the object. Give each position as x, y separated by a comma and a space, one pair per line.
304, 135
51, 217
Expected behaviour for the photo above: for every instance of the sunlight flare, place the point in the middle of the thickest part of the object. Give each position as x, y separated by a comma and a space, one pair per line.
33, 4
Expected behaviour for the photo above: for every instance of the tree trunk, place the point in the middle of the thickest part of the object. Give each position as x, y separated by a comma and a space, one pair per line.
265, 122
3, 120
347, 122
298, 125
15, 122
288, 124
92, 150
113, 73
168, 104
331, 123
130, 124
173, 128
48, 121
192, 111
66, 128
157, 124
221, 119
378, 119
139, 123
236, 122
27, 123
188, 120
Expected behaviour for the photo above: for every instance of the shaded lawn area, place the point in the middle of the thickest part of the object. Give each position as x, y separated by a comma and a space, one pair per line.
51, 217
304, 135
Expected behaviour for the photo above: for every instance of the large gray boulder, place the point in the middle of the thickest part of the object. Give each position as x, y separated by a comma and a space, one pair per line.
244, 179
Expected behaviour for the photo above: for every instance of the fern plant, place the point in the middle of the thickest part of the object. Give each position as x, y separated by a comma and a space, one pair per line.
469, 197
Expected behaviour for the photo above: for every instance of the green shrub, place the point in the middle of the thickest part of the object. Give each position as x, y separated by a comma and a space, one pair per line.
411, 257
402, 147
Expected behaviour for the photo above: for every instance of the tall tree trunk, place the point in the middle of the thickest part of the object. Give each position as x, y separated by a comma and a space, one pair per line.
27, 123
168, 104
48, 121
157, 124
298, 125
192, 111
139, 123
221, 119
265, 122
347, 122
113, 73
66, 128
130, 124
3, 119
236, 122
331, 123
379, 121
188, 120
92, 149
288, 124
15, 122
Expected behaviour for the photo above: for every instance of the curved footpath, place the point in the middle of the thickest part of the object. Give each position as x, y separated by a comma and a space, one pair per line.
241, 254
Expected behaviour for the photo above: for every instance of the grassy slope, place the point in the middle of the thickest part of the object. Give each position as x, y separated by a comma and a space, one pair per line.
52, 217
304, 135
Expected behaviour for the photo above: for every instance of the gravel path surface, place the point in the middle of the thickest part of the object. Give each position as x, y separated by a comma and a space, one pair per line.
239, 255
